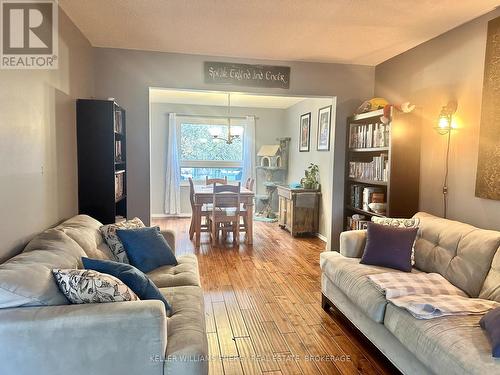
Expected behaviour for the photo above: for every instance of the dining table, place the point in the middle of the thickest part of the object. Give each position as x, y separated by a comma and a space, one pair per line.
203, 194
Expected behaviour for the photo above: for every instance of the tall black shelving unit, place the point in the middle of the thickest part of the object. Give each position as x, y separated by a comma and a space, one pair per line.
102, 168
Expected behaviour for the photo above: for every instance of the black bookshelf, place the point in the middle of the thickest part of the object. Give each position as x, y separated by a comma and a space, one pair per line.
102, 165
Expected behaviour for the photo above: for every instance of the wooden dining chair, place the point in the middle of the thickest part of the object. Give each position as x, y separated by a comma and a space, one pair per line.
249, 183
225, 215
243, 212
205, 212
210, 181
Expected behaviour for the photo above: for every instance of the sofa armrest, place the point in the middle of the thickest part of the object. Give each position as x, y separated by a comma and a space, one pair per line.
352, 243
102, 338
170, 237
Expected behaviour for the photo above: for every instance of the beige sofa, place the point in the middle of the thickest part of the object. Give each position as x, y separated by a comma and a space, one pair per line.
468, 257
41, 333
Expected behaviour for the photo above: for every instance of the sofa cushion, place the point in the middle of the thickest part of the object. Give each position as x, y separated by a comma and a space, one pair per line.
351, 277
389, 246
89, 286
112, 240
146, 248
399, 223
186, 334
447, 345
460, 252
57, 241
85, 231
26, 279
132, 277
490, 322
184, 274
491, 286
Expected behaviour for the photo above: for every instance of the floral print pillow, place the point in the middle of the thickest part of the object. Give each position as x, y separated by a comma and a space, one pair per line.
114, 243
88, 286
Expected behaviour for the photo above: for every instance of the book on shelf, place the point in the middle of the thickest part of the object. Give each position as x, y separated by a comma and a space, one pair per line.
357, 222
356, 196
118, 151
119, 185
369, 135
375, 170
361, 196
118, 122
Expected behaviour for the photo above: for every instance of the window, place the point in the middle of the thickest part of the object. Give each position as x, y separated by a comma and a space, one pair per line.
201, 155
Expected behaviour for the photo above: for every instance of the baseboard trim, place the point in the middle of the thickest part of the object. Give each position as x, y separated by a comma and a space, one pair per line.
162, 216
321, 237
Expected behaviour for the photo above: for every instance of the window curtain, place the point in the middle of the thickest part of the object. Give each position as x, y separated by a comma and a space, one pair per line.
249, 149
173, 175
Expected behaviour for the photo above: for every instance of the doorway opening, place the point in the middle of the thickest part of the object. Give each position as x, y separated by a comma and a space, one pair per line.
236, 136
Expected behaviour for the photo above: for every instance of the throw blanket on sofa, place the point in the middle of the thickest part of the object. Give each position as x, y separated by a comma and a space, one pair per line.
428, 295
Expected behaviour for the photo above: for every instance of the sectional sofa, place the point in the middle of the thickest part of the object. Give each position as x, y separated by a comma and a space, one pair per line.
41, 333
468, 257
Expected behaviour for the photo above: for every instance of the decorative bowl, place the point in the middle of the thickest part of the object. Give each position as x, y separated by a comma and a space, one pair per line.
378, 208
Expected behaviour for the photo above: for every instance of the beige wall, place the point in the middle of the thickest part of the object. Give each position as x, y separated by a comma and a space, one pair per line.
447, 67
38, 175
269, 125
127, 76
299, 161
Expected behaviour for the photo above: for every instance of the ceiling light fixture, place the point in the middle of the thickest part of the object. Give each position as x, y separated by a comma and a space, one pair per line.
233, 133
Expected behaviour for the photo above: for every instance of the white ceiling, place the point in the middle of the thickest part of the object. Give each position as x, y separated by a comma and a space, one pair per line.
364, 32
221, 99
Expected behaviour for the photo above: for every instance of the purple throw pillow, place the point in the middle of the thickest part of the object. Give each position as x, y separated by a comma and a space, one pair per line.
388, 246
491, 323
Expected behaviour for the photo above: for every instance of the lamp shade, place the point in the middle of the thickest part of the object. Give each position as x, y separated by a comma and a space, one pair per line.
237, 130
215, 131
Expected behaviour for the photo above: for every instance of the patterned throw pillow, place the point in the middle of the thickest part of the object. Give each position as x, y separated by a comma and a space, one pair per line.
114, 243
88, 286
399, 223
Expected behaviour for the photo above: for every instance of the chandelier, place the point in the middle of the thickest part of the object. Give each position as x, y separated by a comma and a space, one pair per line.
233, 133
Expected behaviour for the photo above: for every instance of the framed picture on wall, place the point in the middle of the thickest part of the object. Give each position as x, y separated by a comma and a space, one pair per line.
305, 132
324, 124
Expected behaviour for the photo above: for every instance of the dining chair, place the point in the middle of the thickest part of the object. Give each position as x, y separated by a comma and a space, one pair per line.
225, 215
205, 212
210, 181
248, 185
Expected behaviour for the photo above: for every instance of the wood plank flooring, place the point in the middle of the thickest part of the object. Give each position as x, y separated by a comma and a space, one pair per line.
263, 307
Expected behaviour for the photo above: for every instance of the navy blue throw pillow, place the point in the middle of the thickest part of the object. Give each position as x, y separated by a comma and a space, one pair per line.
491, 323
388, 246
146, 248
130, 276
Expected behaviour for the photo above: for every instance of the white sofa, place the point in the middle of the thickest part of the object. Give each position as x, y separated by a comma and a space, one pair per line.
466, 256
41, 333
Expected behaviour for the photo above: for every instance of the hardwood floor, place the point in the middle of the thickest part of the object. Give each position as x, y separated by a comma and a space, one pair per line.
263, 307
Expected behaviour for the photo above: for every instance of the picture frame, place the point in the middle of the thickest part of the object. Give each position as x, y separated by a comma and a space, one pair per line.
324, 128
305, 132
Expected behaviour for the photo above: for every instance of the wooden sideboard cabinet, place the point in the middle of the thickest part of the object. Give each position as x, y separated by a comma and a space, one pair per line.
298, 210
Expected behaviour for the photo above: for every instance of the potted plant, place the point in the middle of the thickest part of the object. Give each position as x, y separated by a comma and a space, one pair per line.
311, 177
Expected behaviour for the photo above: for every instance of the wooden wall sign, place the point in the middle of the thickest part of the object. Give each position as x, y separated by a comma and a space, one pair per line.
247, 75
488, 168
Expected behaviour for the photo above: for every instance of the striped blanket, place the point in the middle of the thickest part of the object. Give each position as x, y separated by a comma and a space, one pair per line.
428, 295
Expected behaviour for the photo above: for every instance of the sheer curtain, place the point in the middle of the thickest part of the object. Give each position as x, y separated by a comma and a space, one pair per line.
249, 149
173, 175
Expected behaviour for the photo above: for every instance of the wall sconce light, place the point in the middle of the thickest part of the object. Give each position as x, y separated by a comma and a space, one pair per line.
444, 127
445, 119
